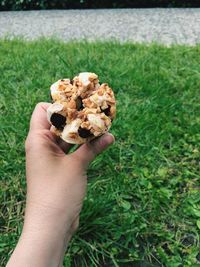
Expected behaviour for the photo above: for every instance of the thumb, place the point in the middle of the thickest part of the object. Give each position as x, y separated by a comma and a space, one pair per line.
88, 152
39, 117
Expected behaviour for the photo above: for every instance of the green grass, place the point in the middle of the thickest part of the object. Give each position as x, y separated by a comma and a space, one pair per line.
143, 201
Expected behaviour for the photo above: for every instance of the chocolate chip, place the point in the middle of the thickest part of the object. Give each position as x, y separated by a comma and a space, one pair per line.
106, 111
79, 103
72, 81
58, 120
84, 133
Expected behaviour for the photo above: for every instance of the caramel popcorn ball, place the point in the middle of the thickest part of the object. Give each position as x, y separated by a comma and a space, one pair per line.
82, 108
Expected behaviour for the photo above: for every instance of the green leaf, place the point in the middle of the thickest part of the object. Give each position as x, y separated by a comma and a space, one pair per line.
198, 224
166, 192
162, 171
196, 212
149, 185
125, 204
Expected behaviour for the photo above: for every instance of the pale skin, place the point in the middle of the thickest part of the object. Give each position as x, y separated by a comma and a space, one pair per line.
56, 186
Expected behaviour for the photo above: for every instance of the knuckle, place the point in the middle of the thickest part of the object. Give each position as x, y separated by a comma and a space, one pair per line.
31, 141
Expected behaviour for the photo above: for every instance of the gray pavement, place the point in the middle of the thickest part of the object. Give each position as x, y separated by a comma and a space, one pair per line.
166, 26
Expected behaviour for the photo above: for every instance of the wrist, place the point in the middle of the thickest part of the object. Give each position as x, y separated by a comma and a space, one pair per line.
47, 223
43, 217
44, 239
34, 249
43, 245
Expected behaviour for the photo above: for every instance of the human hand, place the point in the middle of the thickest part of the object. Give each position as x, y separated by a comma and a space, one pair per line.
56, 186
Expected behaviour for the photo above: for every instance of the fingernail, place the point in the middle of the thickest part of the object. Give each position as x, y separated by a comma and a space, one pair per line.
109, 138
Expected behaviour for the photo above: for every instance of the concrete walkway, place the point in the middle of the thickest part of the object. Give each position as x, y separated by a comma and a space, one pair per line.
166, 26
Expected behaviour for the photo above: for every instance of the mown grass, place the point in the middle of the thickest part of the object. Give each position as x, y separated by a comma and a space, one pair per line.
143, 201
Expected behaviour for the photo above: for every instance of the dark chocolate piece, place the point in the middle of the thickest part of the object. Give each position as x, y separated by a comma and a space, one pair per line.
84, 133
58, 121
106, 111
79, 103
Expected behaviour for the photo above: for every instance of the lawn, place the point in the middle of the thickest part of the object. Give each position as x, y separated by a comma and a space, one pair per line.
143, 201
